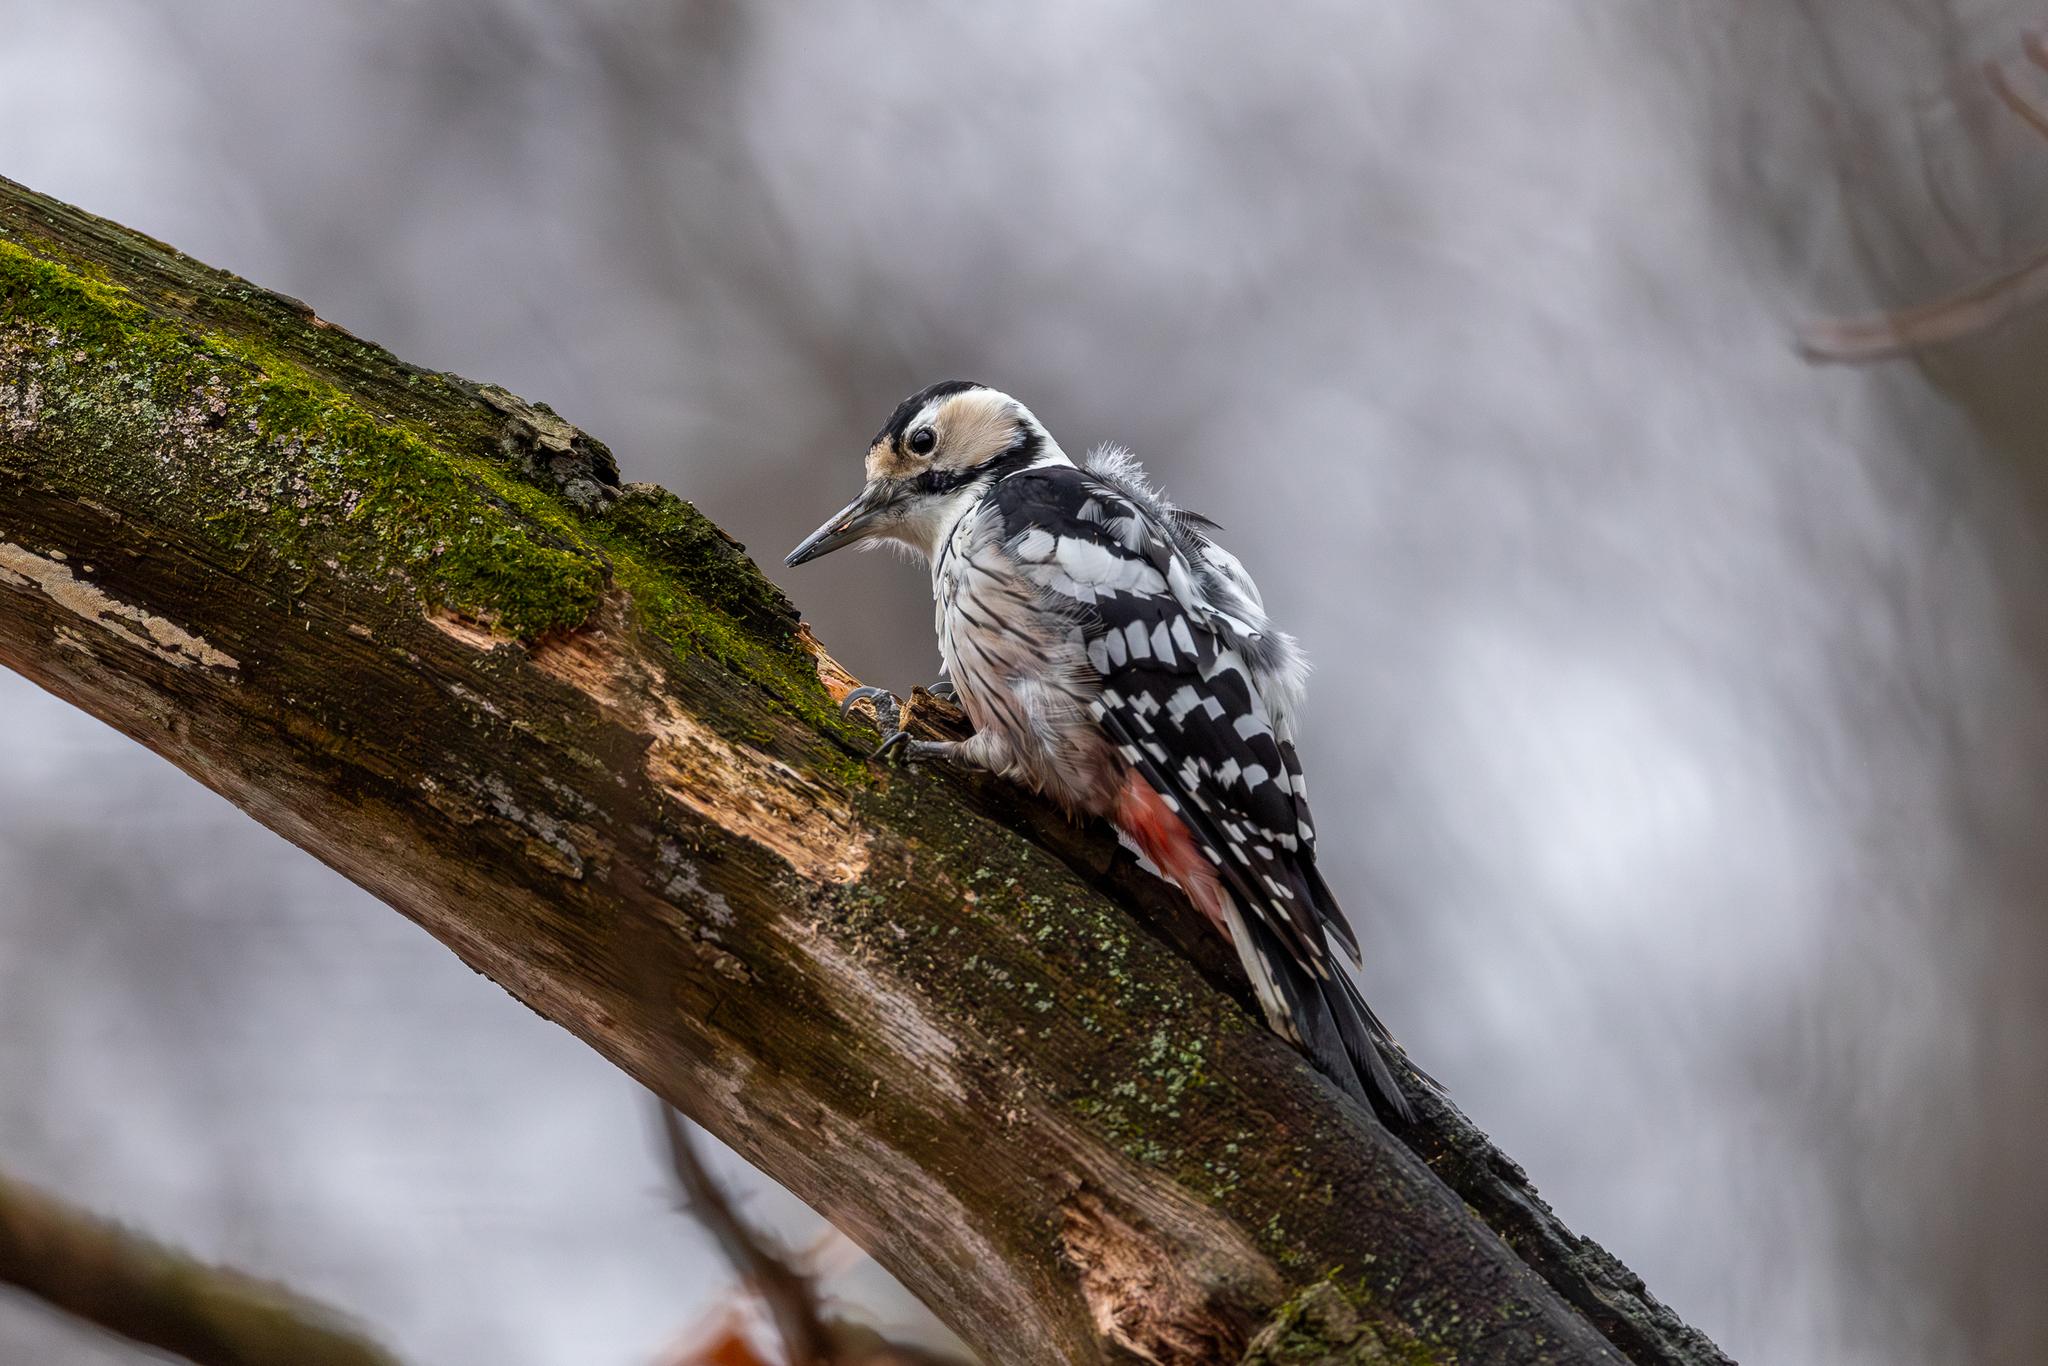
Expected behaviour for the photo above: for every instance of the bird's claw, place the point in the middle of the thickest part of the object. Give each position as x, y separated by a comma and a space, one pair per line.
888, 710
902, 744
944, 691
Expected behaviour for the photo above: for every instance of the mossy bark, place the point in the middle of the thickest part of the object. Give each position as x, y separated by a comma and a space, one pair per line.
417, 627
151, 1294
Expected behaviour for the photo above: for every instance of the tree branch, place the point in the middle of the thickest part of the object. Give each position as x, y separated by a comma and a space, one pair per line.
1979, 308
147, 1293
417, 626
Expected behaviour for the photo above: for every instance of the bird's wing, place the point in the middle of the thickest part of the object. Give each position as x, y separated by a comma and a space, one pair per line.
1221, 595
1180, 703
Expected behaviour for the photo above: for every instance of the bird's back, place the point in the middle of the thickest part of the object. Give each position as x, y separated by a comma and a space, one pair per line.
1128, 664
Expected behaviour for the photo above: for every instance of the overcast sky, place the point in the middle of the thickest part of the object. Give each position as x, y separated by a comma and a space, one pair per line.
1677, 730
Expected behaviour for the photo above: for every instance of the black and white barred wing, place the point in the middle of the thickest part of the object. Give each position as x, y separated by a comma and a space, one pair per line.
1179, 699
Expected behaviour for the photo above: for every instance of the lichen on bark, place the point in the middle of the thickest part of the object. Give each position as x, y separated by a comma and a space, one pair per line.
1320, 1326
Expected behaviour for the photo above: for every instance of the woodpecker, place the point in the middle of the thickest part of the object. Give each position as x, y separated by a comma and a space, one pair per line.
1111, 655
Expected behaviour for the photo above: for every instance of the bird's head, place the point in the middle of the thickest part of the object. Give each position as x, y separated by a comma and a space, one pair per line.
934, 457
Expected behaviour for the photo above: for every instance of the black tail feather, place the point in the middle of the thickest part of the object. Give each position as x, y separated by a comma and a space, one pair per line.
1337, 1030
1339, 1033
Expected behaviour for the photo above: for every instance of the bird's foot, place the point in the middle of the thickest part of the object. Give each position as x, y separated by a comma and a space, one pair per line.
899, 746
888, 710
903, 747
945, 691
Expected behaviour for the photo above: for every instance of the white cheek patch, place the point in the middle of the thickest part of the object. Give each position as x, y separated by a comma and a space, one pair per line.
925, 524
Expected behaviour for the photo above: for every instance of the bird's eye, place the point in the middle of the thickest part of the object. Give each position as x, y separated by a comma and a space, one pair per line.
922, 440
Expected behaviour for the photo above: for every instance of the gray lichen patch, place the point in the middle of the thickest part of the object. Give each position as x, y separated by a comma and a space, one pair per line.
680, 882
548, 450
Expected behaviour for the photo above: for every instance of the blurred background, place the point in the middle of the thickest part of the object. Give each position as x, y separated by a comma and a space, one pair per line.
1680, 730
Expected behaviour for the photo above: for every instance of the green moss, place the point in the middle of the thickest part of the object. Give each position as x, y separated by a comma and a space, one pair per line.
1323, 1326
317, 458
81, 304
296, 473
703, 560
431, 514
693, 586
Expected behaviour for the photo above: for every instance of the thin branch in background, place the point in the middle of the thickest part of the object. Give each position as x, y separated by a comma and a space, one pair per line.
2008, 93
143, 1291
786, 1287
1861, 341
782, 1288
2034, 42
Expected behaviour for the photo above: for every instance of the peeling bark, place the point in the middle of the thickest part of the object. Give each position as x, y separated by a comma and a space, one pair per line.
416, 626
1148, 1296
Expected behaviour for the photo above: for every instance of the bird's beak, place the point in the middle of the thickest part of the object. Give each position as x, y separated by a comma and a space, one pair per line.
848, 525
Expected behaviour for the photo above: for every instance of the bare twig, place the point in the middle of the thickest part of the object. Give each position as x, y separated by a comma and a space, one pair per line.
2034, 42
148, 1293
785, 1285
2009, 95
1860, 341
783, 1289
